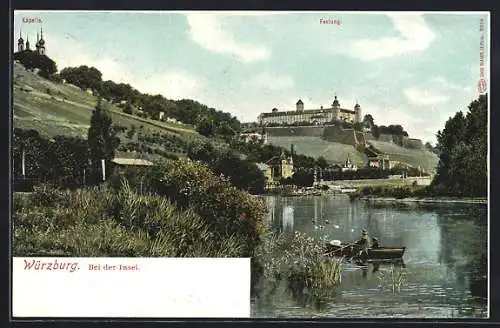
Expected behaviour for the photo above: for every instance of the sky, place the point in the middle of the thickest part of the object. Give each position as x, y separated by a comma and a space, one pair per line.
413, 69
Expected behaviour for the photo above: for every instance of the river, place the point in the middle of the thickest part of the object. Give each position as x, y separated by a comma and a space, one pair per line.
445, 263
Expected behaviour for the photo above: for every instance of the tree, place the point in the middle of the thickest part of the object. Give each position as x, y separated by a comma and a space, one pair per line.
321, 161
225, 130
206, 127
32, 60
127, 108
101, 139
70, 159
462, 168
368, 121
83, 76
34, 148
303, 178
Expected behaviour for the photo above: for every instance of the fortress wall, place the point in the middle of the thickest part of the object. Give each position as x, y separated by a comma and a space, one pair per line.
413, 143
386, 138
337, 134
295, 131
360, 136
398, 140
369, 137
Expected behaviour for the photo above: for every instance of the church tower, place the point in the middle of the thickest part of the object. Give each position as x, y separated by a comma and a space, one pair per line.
37, 44
20, 43
27, 42
41, 44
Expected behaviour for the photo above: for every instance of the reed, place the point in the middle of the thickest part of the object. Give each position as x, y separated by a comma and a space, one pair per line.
101, 222
299, 261
393, 279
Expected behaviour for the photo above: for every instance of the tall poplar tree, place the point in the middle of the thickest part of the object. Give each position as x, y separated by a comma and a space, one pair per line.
102, 141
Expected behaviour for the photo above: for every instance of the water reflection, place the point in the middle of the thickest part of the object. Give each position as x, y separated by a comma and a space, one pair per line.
444, 273
288, 218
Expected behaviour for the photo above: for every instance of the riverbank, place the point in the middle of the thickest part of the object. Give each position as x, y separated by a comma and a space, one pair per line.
442, 200
180, 209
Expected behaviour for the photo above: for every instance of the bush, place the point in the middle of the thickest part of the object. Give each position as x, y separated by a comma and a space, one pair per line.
102, 222
191, 185
224, 208
127, 109
299, 261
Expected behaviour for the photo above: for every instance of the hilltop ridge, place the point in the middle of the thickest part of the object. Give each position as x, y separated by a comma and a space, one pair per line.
62, 108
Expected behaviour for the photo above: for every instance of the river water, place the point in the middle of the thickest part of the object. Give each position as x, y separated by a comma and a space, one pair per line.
445, 262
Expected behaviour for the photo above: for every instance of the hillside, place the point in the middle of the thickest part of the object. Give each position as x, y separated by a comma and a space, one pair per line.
415, 157
337, 152
53, 109
314, 146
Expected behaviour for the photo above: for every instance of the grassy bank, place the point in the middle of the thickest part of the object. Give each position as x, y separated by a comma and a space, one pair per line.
373, 183
178, 209
100, 222
420, 194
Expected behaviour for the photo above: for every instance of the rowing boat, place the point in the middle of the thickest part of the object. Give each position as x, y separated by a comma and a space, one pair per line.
353, 250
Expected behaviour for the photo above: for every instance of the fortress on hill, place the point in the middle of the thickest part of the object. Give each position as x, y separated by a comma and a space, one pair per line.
329, 132
326, 123
312, 116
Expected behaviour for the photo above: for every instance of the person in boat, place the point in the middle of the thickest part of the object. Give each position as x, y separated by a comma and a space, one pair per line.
375, 243
365, 242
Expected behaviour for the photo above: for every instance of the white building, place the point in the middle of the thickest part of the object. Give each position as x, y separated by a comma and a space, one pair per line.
312, 116
254, 136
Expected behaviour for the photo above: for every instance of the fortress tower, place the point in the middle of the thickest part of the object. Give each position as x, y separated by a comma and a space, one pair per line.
300, 106
357, 113
336, 108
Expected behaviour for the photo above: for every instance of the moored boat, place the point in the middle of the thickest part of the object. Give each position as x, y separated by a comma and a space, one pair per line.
372, 254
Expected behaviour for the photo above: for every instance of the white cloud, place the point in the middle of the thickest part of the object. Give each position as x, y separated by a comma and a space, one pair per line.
419, 96
67, 52
207, 30
447, 84
172, 85
270, 81
415, 35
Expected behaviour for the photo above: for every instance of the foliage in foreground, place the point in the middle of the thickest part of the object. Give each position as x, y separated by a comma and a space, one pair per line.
223, 208
299, 262
102, 222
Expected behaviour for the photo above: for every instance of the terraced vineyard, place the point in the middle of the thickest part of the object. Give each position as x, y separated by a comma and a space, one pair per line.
415, 157
55, 109
338, 153
316, 147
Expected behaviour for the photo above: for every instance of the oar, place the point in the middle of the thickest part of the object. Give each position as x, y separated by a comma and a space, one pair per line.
342, 247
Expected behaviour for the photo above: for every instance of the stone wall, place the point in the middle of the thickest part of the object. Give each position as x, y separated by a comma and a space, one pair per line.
335, 133
369, 137
412, 143
386, 138
360, 138
295, 131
